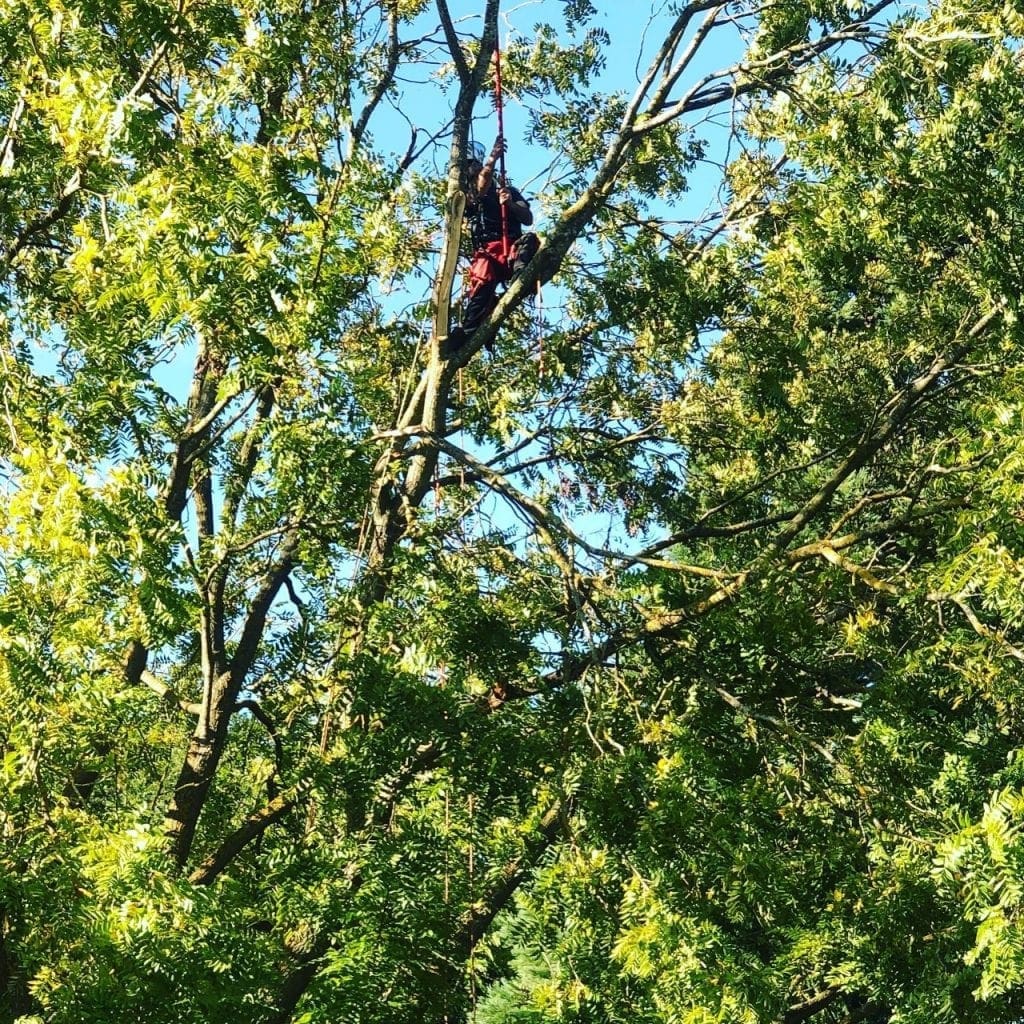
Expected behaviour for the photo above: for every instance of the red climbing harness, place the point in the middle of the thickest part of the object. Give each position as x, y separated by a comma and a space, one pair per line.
490, 264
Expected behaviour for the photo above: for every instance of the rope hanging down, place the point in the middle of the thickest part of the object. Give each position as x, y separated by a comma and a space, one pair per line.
502, 178
506, 247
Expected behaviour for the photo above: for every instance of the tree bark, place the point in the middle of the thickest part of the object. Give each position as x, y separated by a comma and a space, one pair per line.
218, 705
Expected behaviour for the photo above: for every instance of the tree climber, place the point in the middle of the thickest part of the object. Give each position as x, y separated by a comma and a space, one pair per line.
497, 213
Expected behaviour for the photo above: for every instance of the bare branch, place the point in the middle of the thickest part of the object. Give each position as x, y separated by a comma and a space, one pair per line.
894, 414
512, 876
383, 84
779, 64
977, 625
75, 183
47, 220
454, 46
257, 712
10, 134
664, 55
799, 1012
864, 575
252, 630
245, 464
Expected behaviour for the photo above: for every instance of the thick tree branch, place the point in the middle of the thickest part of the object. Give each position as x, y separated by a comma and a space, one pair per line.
776, 723
799, 1012
245, 463
391, 498
454, 46
390, 788
221, 690
513, 874
759, 74
202, 400
977, 625
165, 693
251, 829
893, 415
257, 712
60, 210
663, 57
15, 994
255, 622
298, 980
7, 143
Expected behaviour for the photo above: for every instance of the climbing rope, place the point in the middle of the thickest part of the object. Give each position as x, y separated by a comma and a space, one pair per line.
499, 107
503, 178
450, 916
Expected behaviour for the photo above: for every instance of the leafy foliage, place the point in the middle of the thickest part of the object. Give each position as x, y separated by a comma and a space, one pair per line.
667, 674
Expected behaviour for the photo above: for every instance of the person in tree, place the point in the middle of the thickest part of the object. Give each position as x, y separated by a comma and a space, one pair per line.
500, 247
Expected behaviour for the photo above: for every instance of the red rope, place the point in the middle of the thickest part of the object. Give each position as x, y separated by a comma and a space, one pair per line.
503, 180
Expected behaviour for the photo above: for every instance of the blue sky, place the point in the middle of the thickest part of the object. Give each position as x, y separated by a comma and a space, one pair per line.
635, 29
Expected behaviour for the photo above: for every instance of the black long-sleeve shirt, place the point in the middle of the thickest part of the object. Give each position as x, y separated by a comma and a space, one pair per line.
485, 216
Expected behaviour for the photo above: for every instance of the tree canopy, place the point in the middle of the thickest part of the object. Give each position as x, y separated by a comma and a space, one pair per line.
660, 664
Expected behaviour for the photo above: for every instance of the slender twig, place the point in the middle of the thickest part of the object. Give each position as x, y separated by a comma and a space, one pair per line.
776, 723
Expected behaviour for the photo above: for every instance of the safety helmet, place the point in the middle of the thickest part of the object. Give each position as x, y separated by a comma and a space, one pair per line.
475, 153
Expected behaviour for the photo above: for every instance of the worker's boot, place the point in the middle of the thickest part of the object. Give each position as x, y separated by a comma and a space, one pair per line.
524, 250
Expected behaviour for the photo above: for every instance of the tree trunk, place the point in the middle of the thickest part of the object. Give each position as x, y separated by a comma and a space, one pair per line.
197, 772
